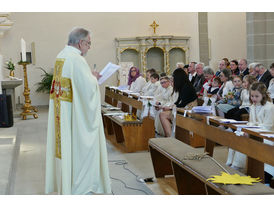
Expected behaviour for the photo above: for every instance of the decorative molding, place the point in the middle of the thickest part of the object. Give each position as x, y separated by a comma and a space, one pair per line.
128, 48
143, 44
152, 47
177, 47
5, 23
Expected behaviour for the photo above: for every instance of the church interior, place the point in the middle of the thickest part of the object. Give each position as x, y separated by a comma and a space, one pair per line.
141, 159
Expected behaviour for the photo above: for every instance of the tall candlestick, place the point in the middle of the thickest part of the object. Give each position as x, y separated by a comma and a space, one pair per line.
27, 108
23, 50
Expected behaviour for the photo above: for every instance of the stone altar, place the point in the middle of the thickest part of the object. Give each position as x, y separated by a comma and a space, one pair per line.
9, 86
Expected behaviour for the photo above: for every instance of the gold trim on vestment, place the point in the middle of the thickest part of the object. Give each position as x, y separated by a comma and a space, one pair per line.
61, 90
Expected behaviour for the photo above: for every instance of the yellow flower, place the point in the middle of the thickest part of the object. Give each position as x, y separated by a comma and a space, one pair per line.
233, 179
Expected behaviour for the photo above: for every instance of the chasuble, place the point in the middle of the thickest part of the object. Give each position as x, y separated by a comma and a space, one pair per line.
76, 161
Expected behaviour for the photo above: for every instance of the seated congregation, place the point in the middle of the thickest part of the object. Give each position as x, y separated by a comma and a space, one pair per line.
236, 91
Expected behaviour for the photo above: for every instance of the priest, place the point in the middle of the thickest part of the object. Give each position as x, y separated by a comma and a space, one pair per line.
76, 161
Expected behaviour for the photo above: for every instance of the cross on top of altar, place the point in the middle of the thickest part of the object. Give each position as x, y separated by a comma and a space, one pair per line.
154, 26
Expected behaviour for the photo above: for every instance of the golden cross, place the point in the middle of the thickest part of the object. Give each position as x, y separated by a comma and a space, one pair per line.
154, 26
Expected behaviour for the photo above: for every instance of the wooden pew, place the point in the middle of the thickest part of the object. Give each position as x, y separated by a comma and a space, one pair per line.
258, 153
168, 157
134, 135
188, 137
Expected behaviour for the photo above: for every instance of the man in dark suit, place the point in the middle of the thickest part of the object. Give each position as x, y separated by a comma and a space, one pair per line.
263, 74
192, 72
243, 67
200, 78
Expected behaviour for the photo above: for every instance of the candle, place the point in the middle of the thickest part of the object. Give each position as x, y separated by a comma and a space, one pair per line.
23, 50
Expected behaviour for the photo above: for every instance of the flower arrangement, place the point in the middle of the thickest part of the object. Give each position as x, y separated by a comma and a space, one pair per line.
230, 95
10, 65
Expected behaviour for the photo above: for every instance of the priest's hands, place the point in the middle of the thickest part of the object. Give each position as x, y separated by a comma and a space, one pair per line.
96, 74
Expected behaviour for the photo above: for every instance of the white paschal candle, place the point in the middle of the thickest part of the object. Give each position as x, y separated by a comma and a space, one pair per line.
23, 50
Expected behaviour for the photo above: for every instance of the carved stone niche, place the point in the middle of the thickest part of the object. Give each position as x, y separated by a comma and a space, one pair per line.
158, 52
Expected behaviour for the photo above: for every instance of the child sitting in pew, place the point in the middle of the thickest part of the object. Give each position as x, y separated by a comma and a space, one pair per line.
149, 72
214, 88
162, 98
155, 84
236, 112
262, 114
232, 99
211, 90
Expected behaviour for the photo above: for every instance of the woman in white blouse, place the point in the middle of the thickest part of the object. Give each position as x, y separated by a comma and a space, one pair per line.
227, 85
135, 81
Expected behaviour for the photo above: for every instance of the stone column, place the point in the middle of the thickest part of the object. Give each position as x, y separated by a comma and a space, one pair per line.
260, 37
203, 37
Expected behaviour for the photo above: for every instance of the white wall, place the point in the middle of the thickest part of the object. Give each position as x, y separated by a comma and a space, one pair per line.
227, 32
49, 32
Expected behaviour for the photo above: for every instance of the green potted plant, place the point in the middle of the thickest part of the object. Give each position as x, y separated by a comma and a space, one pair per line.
45, 84
10, 66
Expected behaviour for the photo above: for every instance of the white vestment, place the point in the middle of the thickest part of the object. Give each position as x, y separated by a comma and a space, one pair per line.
137, 85
76, 161
150, 91
165, 97
146, 87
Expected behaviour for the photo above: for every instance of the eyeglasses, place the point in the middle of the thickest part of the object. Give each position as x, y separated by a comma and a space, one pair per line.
133, 71
163, 82
88, 42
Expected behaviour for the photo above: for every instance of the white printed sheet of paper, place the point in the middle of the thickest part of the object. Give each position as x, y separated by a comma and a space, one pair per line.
107, 72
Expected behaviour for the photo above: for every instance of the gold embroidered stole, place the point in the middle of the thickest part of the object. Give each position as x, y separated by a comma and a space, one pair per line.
61, 90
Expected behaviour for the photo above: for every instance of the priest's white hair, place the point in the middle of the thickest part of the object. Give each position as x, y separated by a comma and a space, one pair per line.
77, 34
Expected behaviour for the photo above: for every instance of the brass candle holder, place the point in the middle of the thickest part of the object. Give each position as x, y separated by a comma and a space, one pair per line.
27, 108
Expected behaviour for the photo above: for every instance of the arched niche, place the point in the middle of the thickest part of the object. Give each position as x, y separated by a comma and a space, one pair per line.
131, 55
176, 55
155, 59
